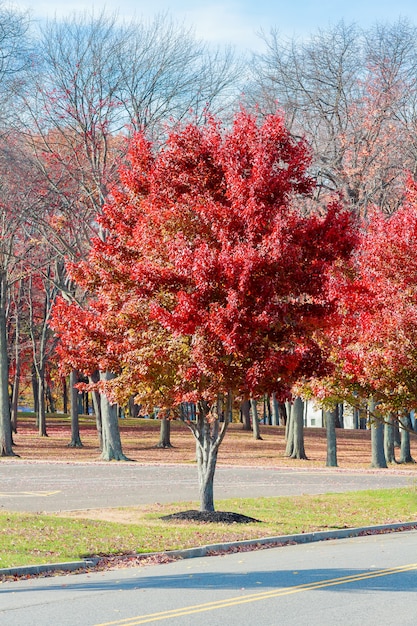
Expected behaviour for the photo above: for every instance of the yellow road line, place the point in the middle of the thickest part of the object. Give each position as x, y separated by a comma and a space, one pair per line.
255, 597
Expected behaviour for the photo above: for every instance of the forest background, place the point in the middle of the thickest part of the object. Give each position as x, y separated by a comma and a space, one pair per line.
74, 94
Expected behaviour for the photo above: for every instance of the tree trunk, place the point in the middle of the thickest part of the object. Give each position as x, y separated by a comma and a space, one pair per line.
330, 417
389, 448
340, 422
35, 391
405, 452
208, 434
75, 423
255, 420
282, 413
397, 435
165, 433
134, 409
298, 451
245, 411
50, 399
267, 413
112, 445
274, 410
377, 441
15, 396
64, 396
41, 404
6, 441
289, 430
94, 378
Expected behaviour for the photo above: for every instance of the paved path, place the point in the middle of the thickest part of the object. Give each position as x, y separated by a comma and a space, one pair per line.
39, 486
356, 582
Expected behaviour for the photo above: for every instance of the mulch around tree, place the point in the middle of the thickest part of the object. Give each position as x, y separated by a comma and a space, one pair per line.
222, 517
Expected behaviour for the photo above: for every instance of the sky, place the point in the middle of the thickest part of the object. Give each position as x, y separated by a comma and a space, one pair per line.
239, 21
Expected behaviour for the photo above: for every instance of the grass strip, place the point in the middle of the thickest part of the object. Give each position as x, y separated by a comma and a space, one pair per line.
33, 539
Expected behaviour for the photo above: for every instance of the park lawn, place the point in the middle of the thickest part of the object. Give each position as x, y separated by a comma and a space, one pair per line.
33, 539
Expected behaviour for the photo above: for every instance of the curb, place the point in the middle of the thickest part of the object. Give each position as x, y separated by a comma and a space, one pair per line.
208, 550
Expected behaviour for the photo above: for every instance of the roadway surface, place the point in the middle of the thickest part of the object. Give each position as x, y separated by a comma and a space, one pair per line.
364, 581
51, 487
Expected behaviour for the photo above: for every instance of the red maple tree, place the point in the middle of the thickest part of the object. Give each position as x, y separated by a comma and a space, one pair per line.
210, 281
373, 336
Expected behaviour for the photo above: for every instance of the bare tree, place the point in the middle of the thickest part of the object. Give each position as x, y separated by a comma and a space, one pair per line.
351, 92
96, 82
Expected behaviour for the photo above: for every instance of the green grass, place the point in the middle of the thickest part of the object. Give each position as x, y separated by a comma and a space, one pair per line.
32, 539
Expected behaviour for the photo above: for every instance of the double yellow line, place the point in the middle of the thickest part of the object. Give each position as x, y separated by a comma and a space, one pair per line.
256, 597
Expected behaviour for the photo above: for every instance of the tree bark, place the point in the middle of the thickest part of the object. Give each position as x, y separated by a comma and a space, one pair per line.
377, 441
282, 413
64, 396
405, 427
35, 391
6, 442
41, 403
298, 451
330, 417
15, 395
389, 448
112, 445
274, 410
165, 433
134, 409
289, 430
209, 434
267, 412
75, 422
94, 378
245, 410
255, 420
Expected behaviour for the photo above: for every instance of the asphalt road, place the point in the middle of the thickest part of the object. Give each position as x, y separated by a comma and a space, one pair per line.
353, 582
50, 487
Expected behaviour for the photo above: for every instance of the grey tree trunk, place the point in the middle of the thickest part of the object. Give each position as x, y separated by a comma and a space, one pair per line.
41, 403
134, 409
389, 447
397, 435
245, 409
340, 422
255, 420
282, 412
289, 430
64, 395
330, 417
15, 396
274, 410
267, 412
94, 378
297, 410
6, 442
75, 422
112, 445
377, 441
209, 434
405, 427
288, 406
165, 433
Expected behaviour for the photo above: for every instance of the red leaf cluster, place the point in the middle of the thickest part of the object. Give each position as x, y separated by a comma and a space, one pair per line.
210, 277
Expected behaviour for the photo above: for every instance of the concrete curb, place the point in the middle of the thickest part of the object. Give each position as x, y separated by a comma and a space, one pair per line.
29, 570
235, 546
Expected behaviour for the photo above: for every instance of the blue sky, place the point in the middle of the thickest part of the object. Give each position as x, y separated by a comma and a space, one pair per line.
238, 21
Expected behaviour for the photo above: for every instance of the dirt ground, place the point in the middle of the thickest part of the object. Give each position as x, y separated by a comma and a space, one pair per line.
140, 438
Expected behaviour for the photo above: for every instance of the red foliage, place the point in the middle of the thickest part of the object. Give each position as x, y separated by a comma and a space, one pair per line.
374, 342
210, 278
